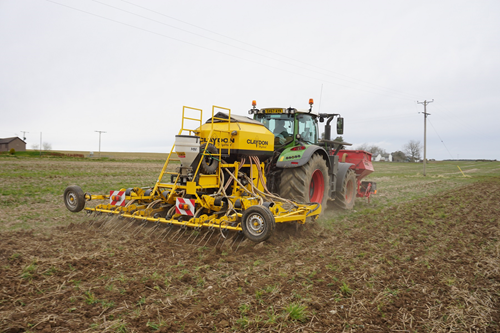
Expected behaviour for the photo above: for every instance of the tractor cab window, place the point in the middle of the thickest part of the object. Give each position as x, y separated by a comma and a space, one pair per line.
281, 125
307, 128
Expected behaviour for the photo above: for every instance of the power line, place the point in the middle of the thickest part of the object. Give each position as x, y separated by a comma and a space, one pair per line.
227, 54
381, 118
440, 139
266, 50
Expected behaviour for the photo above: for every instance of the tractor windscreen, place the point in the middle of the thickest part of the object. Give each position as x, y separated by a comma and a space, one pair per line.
281, 125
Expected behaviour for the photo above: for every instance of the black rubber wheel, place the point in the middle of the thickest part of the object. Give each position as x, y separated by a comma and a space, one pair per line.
346, 195
258, 223
308, 183
209, 164
74, 198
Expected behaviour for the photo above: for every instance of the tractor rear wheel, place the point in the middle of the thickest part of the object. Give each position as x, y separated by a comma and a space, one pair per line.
74, 198
258, 223
308, 183
346, 196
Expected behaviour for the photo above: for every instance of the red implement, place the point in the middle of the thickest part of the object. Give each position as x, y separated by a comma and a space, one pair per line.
362, 166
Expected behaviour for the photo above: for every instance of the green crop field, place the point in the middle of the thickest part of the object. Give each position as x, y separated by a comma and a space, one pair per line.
422, 256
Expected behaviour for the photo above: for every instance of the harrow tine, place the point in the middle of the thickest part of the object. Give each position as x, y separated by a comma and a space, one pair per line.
98, 223
224, 240
94, 219
234, 239
150, 232
100, 218
161, 230
176, 233
221, 235
109, 219
106, 220
209, 237
208, 232
126, 225
118, 225
191, 234
139, 228
198, 232
89, 215
185, 229
241, 241
169, 228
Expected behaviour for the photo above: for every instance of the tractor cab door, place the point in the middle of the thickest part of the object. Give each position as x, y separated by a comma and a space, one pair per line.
307, 128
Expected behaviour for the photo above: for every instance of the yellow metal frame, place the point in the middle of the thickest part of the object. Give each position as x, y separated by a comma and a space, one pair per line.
140, 209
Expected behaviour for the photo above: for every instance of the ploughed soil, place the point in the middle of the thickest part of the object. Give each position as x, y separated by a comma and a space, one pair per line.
427, 265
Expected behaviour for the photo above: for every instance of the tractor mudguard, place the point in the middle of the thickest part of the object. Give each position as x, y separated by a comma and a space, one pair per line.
296, 158
342, 171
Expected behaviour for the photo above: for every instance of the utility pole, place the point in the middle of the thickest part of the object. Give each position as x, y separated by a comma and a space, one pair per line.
425, 128
24, 135
100, 142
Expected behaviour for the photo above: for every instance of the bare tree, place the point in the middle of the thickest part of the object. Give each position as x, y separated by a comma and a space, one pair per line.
399, 156
412, 149
374, 149
46, 146
34, 146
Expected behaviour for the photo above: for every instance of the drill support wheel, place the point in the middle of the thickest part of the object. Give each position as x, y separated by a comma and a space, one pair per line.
74, 198
258, 223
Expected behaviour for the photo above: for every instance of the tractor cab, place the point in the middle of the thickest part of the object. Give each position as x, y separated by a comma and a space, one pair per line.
290, 126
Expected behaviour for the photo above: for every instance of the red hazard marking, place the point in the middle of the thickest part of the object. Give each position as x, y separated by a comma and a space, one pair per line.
182, 201
117, 198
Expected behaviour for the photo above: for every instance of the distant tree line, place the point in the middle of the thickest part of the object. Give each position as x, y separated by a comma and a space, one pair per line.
410, 152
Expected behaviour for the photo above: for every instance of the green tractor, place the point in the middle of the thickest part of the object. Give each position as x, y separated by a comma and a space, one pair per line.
305, 168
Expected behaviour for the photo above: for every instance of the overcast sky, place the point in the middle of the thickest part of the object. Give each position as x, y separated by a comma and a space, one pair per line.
69, 68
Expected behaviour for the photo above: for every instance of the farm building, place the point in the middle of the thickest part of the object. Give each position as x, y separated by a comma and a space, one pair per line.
7, 144
383, 158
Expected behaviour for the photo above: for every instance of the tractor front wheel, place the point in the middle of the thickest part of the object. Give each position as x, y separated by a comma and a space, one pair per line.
308, 183
74, 198
258, 223
346, 195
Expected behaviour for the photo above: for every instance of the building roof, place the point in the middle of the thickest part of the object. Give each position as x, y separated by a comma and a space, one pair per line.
9, 140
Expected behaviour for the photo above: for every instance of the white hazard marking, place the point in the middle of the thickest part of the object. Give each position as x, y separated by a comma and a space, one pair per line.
117, 198
184, 206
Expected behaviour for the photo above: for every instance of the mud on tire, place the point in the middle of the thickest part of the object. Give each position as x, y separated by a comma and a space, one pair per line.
346, 195
305, 184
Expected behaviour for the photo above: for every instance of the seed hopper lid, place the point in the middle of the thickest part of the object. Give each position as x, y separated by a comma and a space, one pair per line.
234, 119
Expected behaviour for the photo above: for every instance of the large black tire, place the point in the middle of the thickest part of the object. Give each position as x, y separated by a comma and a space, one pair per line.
308, 183
209, 164
74, 198
258, 223
346, 195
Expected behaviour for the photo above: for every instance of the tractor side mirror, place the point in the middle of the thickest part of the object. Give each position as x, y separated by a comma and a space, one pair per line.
340, 125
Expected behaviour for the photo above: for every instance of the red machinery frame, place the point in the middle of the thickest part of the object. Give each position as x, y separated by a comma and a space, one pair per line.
362, 165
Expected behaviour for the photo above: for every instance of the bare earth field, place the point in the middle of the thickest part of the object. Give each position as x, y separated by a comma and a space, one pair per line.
423, 256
